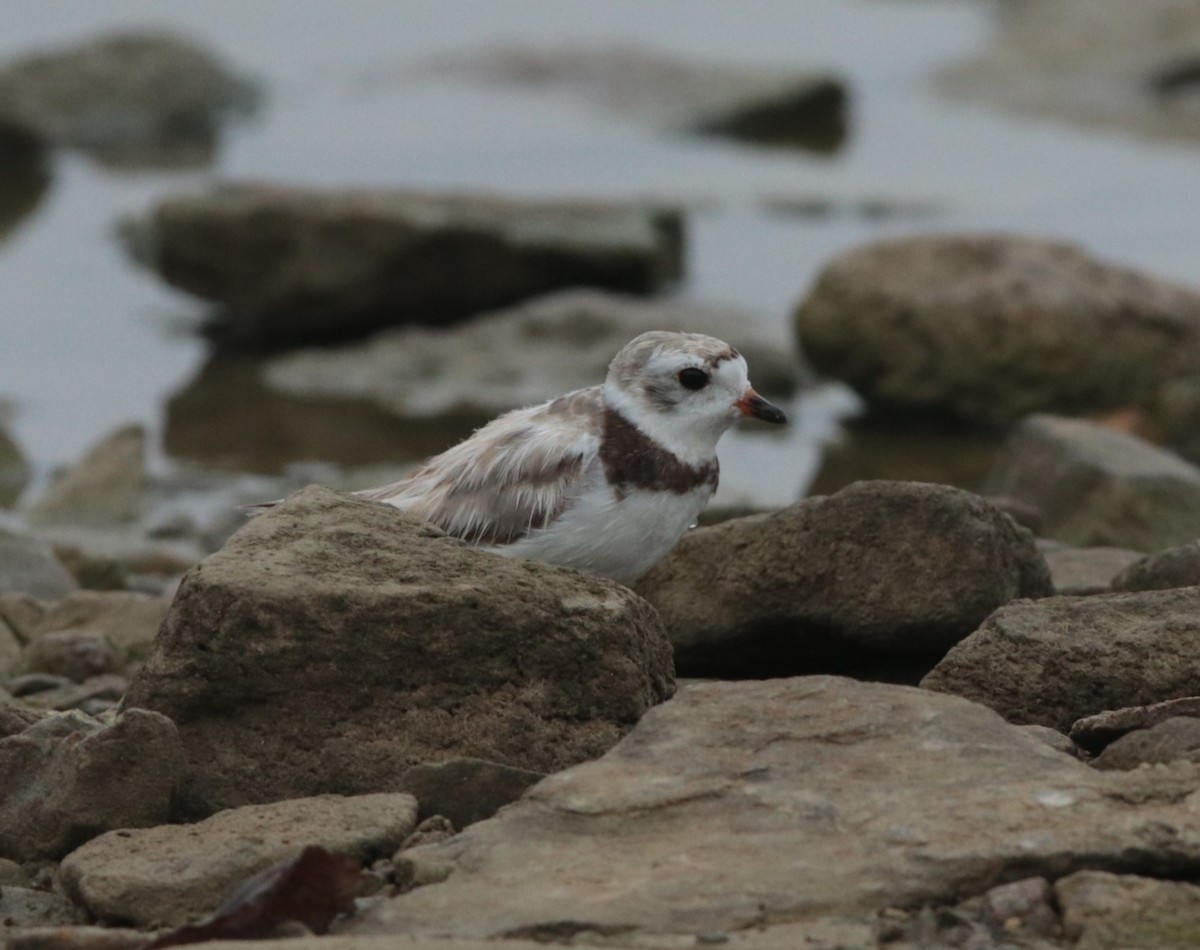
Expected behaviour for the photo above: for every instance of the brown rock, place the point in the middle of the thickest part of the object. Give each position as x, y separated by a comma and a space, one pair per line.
1095, 732
1162, 570
75, 654
790, 800
466, 790
1057, 660
1106, 911
1169, 741
991, 328
880, 569
334, 643
67, 778
104, 487
174, 873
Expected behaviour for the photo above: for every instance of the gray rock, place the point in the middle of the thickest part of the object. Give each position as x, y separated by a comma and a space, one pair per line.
289, 265
1095, 732
1136, 71
26, 684
517, 357
67, 778
12, 875
466, 790
1162, 570
1027, 905
1097, 487
169, 875
1079, 571
28, 566
94, 695
880, 569
1055, 739
804, 110
1169, 741
988, 329
24, 907
787, 800
75, 654
398, 646
1056, 660
1105, 911
127, 99
104, 487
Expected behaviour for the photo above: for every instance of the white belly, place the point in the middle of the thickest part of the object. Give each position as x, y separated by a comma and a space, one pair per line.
621, 538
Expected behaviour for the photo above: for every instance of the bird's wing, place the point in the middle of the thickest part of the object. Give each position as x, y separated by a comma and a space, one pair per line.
518, 473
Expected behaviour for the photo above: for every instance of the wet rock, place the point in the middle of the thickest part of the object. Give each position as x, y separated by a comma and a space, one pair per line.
28, 566
516, 357
800, 110
1135, 72
1102, 910
1079, 571
1095, 732
23, 907
75, 654
173, 873
289, 265
14, 469
1169, 741
66, 778
126, 99
466, 790
399, 646
1057, 660
878, 570
1162, 570
989, 329
786, 800
1097, 487
105, 487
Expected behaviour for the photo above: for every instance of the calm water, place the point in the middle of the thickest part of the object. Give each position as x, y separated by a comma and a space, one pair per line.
88, 342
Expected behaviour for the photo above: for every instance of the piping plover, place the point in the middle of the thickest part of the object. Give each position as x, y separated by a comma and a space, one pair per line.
605, 479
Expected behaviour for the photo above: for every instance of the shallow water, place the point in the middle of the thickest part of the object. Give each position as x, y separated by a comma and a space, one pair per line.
88, 342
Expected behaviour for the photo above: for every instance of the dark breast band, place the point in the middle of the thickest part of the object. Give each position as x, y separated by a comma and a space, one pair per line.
632, 460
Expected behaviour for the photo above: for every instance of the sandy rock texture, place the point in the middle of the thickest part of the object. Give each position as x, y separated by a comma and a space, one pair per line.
1057, 660
879, 569
1098, 487
65, 778
294, 265
988, 329
741, 805
169, 875
333, 643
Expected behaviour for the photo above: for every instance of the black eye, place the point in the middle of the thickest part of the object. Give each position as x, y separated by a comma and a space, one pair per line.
692, 378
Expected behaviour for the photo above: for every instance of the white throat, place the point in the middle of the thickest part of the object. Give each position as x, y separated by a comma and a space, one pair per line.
691, 439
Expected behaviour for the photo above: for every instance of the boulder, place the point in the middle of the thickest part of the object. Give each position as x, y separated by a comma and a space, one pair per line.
127, 99
104, 487
1162, 570
334, 642
738, 805
778, 108
1136, 72
880, 569
294, 265
1078, 571
66, 778
1105, 911
1059, 659
1171, 740
170, 875
987, 329
1097, 487
28, 566
1095, 732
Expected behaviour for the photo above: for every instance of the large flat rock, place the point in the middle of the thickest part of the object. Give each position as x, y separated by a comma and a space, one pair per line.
335, 642
742, 804
293, 265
